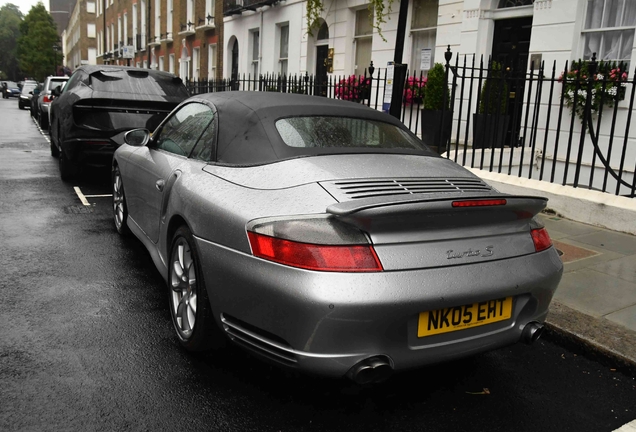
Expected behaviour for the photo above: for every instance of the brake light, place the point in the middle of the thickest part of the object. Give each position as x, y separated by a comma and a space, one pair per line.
47, 99
541, 239
479, 203
340, 258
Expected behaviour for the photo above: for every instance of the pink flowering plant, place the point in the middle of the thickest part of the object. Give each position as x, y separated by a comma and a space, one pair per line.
608, 86
414, 90
355, 88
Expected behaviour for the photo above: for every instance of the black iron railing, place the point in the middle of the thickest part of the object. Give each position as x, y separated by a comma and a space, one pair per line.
569, 125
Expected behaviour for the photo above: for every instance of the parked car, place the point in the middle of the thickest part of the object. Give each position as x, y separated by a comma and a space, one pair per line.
99, 103
24, 100
324, 236
44, 99
10, 89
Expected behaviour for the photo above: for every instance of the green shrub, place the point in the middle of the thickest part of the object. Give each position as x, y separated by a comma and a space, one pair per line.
494, 93
436, 88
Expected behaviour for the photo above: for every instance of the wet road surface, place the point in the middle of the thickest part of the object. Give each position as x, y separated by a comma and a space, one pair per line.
88, 344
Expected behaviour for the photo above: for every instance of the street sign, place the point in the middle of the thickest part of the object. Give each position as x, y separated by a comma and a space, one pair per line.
127, 52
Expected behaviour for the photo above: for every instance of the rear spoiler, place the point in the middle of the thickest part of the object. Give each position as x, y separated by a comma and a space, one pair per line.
396, 206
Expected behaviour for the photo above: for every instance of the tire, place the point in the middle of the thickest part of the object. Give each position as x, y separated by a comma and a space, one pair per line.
54, 150
120, 208
189, 303
43, 120
68, 170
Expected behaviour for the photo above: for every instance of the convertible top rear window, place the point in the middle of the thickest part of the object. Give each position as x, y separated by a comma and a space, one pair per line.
343, 132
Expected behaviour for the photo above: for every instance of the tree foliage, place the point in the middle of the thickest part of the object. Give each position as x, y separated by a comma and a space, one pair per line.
10, 19
36, 55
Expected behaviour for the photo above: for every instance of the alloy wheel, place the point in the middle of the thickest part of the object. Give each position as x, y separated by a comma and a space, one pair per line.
183, 284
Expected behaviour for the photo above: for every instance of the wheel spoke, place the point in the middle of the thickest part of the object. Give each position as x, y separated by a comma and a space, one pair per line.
191, 316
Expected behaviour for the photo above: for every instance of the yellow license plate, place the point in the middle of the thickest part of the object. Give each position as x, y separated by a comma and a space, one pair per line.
463, 317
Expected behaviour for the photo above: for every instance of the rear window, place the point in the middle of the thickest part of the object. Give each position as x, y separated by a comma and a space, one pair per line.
27, 88
137, 82
342, 132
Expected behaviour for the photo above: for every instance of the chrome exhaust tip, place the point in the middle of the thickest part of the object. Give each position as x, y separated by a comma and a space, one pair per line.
532, 332
371, 370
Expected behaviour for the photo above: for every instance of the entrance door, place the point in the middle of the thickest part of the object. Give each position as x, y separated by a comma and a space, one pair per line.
320, 85
511, 47
235, 60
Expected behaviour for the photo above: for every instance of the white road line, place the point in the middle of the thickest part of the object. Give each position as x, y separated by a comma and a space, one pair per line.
99, 196
629, 427
81, 196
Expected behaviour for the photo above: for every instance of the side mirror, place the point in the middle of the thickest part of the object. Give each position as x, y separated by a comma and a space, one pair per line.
137, 137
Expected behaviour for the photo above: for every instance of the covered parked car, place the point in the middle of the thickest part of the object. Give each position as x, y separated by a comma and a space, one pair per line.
24, 100
10, 89
99, 103
324, 236
44, 99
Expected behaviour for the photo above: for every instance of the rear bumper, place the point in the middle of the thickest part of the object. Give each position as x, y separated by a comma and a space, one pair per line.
325, 323
89, 151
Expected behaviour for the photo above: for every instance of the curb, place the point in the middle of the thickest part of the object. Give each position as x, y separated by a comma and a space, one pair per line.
600, 339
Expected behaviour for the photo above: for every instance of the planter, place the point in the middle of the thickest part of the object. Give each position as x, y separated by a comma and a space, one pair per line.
432, 134
490, 130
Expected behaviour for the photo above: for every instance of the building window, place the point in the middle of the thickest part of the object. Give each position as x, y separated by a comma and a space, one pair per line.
283, 49
112, 37
161, 67
120, 41
90, 30
254, 47
189, 12
209, 12
126, 29
423, 33
196, 61
169, 20
134, 26
171, 63
92, 56
211, 61
143, 26
609, 30
90, 7
363, 40
157, 20
513, 3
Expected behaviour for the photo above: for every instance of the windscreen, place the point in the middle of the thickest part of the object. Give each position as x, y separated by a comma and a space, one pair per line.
27, 88
320, 131
141, 82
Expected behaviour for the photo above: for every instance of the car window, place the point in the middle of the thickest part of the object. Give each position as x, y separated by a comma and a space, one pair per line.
72, 81
137, 82
324, 132
184, 128
52, 83
204, 149
27, 88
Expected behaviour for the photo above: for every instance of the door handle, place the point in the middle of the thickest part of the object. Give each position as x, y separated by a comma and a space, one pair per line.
160, 184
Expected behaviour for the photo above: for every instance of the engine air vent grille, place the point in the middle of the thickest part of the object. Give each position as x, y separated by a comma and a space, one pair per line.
354, 189
258, 341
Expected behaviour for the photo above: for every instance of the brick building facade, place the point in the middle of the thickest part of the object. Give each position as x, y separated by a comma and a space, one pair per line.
81, 35
179, 36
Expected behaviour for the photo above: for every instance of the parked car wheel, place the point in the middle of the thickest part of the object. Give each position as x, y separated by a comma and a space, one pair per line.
43, 120
120, 210
68, 169
189, 304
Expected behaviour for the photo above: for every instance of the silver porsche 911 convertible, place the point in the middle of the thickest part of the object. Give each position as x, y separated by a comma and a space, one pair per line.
324, 236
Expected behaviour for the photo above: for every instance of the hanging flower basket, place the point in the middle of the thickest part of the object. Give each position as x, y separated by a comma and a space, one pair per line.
414, 90
608, 86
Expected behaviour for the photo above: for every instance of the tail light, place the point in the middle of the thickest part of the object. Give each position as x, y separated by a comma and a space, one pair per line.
321, 244
541, 239
479, 203
47, 99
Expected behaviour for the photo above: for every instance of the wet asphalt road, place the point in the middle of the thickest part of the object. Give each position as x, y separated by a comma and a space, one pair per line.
87, 342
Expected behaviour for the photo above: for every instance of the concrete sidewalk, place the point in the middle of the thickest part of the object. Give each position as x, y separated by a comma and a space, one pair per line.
595, 304
594, 308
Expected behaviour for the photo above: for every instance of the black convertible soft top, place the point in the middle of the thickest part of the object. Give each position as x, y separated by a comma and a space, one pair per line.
247, 133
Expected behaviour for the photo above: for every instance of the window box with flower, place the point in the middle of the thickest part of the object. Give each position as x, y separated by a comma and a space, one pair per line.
607, 86
354, 88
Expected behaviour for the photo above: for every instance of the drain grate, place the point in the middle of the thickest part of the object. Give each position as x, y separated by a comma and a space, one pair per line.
78, 209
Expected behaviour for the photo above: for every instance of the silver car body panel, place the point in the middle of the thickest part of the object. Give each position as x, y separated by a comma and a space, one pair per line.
434, 256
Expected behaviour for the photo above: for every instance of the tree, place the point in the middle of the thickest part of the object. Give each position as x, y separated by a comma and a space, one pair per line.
10, 19
36, 55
